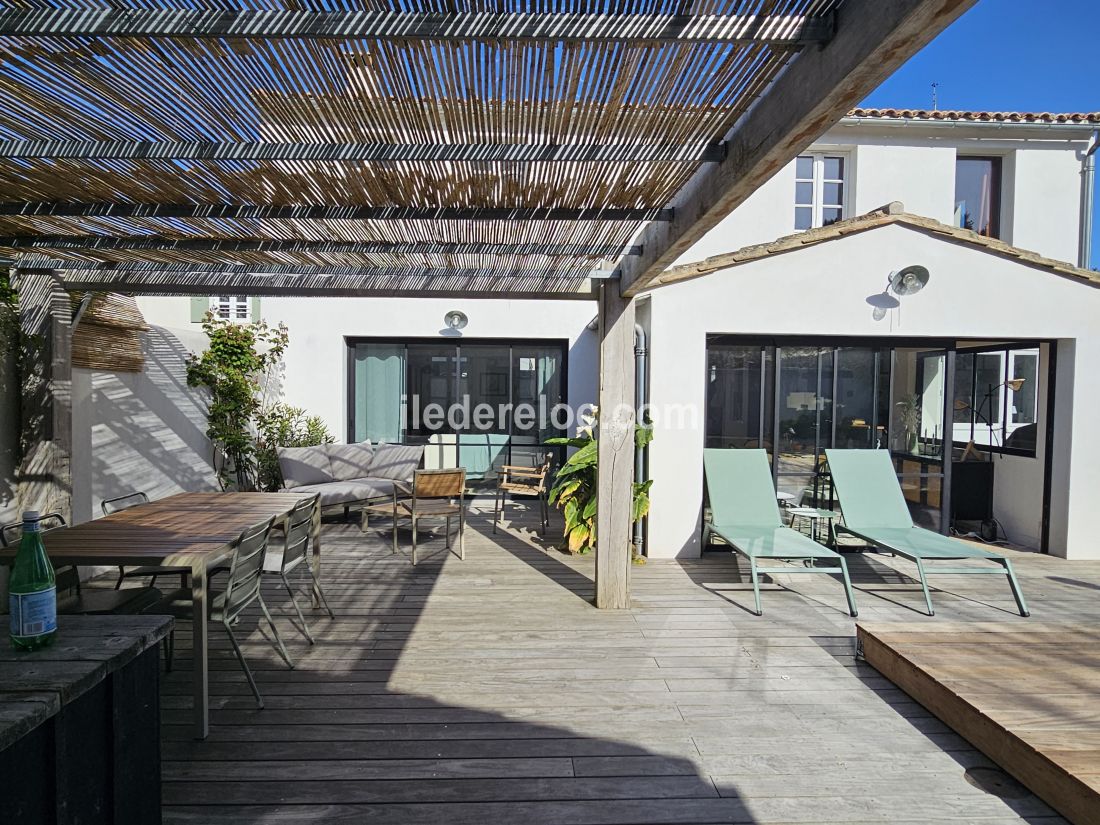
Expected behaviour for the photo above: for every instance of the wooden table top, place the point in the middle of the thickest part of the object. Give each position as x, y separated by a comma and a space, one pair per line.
35, 685
176, 530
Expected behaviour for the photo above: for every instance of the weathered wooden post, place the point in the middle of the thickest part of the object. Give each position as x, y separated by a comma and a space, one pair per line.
616, 448
45, 317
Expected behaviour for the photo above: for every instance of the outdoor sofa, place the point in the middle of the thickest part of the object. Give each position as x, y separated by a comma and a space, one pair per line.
351, 475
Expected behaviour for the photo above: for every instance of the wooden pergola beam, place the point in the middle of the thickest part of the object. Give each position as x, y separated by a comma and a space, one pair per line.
230, 245
776, 30
872, 40
359, 152
60, 209
79, 267
308, 282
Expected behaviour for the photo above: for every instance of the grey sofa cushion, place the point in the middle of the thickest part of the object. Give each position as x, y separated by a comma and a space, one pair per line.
303, 465
349, 492
396, 461
350, 461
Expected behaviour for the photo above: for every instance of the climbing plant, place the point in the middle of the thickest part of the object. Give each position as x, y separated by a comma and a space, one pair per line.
235, 369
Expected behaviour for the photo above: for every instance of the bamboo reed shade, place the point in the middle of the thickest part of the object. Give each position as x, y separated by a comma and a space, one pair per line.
681, 95
108, 336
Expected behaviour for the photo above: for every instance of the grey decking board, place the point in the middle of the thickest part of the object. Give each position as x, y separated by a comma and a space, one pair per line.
506, 642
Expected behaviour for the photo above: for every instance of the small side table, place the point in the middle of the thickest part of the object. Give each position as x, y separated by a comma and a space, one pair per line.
815, 515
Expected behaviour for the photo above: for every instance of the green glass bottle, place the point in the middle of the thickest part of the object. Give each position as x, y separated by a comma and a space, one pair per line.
32, 591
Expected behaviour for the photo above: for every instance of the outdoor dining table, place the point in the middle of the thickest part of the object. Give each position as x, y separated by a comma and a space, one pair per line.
195, 530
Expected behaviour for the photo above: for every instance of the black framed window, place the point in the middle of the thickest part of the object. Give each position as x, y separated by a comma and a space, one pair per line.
477, 403
997, 399
978, 195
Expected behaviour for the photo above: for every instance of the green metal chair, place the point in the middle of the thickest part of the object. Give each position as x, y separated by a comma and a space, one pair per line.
298, 526
875, 510
745, 514
241, 590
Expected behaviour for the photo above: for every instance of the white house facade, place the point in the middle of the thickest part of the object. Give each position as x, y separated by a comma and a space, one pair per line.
788, 351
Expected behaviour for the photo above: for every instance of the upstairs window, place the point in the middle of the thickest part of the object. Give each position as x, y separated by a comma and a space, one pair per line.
819, 190
978, 195
231, 307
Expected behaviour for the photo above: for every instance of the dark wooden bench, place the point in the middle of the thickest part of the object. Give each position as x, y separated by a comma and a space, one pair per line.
80, 724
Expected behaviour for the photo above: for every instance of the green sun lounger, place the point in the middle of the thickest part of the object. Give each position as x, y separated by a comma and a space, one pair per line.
875, 510
745, 514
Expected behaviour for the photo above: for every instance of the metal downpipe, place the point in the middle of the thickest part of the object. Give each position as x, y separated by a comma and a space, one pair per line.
1088, 201
640, 399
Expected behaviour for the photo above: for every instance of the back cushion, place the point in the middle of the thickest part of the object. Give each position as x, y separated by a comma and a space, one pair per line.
350, 461
303, 465
396, 461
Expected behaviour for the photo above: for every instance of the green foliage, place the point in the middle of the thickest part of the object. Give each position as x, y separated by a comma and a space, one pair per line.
281, 425
575, 488
233, 369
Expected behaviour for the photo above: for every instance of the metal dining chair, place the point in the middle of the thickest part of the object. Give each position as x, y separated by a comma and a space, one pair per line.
241, 591
295, 547
436, 494
125, 502
72, 598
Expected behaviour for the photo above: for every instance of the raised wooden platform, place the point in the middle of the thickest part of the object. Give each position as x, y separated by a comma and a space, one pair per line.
1026, 695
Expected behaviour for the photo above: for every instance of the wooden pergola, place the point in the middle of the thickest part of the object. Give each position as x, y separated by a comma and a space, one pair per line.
358, 147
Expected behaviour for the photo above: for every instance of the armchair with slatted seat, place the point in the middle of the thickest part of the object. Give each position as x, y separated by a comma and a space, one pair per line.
436, 494
72, 598
524, 481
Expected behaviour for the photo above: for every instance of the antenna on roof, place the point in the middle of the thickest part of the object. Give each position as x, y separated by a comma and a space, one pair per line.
935, 96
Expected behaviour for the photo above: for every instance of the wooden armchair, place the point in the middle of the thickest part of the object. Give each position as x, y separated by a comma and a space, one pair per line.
524, 481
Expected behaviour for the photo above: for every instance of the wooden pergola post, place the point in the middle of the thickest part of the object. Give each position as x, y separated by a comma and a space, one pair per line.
616, 448
46, 422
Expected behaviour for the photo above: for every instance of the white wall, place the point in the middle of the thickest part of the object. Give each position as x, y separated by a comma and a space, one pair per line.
921, 177
140, 431
822, 290
916, 166
316, 361
1046, 204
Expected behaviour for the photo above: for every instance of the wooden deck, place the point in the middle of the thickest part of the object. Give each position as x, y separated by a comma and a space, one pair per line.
1027, 696
491, 690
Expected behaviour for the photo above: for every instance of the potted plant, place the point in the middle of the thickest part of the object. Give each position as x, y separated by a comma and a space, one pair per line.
575, 489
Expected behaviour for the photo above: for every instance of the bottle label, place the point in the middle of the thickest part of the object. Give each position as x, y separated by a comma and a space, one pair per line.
33, 614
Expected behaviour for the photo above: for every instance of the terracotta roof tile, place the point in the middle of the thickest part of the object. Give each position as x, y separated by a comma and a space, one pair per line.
1081, 118
892, 213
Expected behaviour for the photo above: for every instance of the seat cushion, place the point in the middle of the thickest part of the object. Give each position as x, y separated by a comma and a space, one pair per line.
396, 461
304, 465
350, 461
347, 492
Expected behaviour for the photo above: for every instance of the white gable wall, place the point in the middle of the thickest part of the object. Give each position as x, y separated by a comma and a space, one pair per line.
822, 290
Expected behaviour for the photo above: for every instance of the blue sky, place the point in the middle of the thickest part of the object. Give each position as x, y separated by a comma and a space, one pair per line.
1008, 55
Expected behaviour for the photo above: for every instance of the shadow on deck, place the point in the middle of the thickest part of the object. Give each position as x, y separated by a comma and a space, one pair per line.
491, 690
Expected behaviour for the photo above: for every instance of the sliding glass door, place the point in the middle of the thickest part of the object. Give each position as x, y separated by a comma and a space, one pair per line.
467, 400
